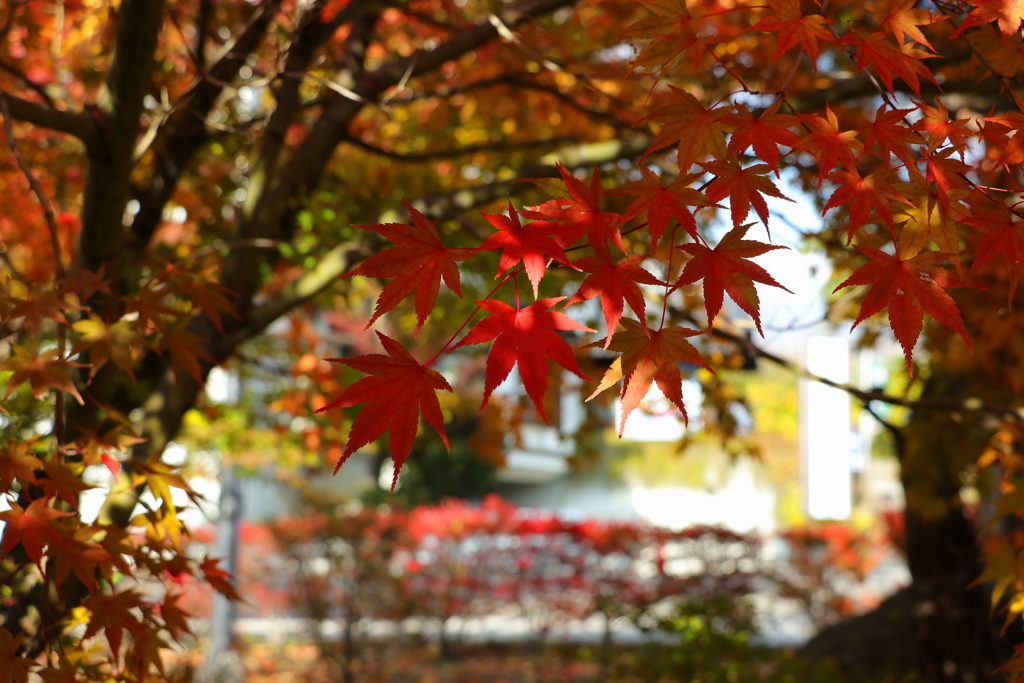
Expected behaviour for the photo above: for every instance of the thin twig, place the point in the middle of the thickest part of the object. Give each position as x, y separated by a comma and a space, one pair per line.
971, 404
29, 83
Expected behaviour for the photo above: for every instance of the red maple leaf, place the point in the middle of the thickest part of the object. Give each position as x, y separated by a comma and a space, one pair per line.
765, 133
115, 614
1003, 235
616, 283
903, 19
946, 173
398, 389
174, 617
744, 187
793, 26
832, 145
726, 268
909, 287
649, 356
864, 195
186, 350
938, 129
891, 135
220, 579
63, 481
418, 261
581, 213
525, 336
671, 32
531, 243
662, 203
32, 527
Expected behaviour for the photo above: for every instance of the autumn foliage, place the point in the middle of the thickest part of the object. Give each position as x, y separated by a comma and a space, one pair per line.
172, 189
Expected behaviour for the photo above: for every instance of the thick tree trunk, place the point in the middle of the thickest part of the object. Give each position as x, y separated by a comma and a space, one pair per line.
941, 625
956, 640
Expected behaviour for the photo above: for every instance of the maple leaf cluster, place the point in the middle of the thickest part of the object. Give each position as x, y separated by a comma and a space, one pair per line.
42, 478
905, 185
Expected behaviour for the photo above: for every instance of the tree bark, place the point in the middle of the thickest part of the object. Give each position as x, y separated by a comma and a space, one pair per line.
940, 625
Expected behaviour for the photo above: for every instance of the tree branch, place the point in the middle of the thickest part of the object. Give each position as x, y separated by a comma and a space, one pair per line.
39, 90
185, 133
866, 397
110, 160
460, 151
78, 124
523, 83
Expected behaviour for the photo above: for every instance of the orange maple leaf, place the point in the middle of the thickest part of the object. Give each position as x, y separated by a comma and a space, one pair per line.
616, 283
17, 461
793, 26
174, 617
726, 268
40, 304
672, 32
525, 336
107, 343
908, 287
938, 129
13, 667
890, 61
649, 356
1002, 236
43, 372
903, 19
398, 389
696, 130
63, 481
1007, 13
203, 291
418, 261
82, 558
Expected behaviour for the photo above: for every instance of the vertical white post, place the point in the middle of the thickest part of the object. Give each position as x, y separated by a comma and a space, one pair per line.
825, 431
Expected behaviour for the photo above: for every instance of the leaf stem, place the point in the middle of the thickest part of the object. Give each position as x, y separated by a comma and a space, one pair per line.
668, 274
471, 316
